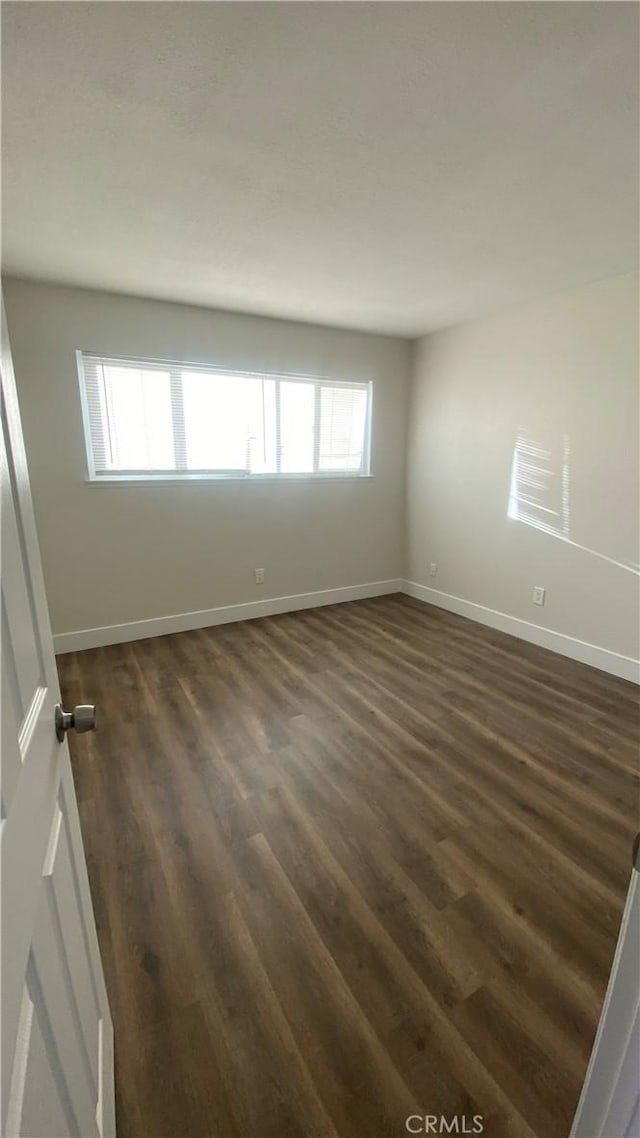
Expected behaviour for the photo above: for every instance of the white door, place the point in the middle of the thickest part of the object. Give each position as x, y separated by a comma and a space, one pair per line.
609, 1105
57, 1038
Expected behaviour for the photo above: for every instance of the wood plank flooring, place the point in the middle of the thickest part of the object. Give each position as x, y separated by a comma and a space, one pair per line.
349, 865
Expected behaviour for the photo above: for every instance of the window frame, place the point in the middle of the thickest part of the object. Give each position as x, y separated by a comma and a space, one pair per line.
175, 477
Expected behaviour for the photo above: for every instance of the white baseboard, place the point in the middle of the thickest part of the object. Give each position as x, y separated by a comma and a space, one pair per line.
623, 666
227, 614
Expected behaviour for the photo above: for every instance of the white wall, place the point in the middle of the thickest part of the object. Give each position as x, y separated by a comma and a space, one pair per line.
114, 554
564, 366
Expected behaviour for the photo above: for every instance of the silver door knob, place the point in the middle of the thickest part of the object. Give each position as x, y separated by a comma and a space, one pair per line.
82, 718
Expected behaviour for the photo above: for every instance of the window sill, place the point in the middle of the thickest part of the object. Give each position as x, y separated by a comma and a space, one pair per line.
251, 480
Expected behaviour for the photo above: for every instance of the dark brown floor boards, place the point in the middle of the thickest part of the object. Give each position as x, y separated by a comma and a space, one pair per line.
352, 864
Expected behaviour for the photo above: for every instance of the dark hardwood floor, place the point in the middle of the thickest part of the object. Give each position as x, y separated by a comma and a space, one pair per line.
353, 864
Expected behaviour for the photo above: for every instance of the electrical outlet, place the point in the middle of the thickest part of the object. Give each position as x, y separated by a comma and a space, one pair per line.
538, 595
259, 575
433, 569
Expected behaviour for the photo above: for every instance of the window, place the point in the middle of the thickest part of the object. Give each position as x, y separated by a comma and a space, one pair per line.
147, 419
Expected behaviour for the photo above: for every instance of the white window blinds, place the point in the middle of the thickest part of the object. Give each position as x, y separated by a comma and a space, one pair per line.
146, 418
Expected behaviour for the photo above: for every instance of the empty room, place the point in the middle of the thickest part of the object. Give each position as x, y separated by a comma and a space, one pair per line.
320, 569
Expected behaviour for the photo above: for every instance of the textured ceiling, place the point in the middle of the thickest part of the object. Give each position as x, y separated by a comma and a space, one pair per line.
394, 167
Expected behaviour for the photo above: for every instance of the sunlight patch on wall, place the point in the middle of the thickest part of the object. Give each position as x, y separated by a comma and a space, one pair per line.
539, 493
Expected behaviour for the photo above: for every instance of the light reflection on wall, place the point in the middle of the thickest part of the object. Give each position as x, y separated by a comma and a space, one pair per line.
539, 492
